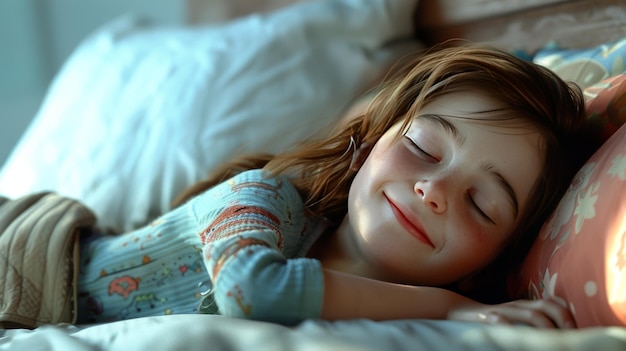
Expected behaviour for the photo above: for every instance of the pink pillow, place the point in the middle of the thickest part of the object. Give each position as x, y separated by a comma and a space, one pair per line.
580, 254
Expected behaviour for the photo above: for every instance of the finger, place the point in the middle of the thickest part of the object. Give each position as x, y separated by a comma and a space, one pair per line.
488, 318
558, 312
496, 318
540, 313
483, 316
537, 318
527, 316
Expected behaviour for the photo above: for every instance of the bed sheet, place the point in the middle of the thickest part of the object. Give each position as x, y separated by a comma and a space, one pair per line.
210, 332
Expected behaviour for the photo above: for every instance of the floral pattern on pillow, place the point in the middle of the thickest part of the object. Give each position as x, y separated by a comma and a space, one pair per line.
579, 257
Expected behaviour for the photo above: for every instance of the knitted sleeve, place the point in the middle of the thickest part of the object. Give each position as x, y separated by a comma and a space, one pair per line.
247, 225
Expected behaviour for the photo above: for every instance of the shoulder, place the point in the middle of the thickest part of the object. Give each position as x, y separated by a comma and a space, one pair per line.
250, 189
260, 183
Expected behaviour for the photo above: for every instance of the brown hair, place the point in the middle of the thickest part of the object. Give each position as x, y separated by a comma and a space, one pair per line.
321, 168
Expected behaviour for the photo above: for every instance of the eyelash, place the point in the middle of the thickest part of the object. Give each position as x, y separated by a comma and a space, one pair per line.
480, 212
420, 150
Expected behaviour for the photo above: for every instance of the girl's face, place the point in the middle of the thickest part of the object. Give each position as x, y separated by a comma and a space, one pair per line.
443, 201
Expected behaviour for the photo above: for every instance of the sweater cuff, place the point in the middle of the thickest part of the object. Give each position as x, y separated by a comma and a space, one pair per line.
260, 283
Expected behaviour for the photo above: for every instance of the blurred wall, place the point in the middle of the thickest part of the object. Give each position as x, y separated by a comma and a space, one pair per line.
36, 36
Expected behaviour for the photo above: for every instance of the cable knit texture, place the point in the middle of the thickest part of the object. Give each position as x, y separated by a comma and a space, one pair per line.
39, 251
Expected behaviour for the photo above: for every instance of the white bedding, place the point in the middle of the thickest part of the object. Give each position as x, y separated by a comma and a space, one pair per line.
140, 111
207, 332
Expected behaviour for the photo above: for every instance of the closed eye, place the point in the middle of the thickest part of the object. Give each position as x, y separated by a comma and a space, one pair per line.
479, 210
421, 151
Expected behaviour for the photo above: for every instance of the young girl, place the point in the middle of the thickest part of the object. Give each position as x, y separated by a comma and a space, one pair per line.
448, 175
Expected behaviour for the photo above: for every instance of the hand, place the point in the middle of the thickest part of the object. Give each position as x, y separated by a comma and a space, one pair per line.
544, 313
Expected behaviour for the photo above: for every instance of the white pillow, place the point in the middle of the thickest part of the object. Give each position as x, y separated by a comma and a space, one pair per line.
139, 112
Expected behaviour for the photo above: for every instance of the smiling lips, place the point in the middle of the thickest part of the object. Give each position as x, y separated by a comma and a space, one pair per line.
408, 224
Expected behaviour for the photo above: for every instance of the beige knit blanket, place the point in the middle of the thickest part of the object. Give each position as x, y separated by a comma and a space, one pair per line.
39, 259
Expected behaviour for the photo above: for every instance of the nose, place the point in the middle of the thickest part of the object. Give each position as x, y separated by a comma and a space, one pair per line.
432, 194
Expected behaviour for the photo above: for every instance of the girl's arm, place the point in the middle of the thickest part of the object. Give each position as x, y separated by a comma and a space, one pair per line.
350, 296
248, 226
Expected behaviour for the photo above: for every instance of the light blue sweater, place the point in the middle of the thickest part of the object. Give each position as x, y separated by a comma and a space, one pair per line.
250, 234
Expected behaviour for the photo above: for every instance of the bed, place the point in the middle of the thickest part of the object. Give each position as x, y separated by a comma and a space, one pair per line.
145, 110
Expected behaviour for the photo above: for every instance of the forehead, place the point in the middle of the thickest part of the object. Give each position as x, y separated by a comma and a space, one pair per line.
481, 109
462, 103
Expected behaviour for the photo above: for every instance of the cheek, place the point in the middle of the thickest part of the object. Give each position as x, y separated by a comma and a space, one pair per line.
472, 231
383, 165
476, 239
389, 150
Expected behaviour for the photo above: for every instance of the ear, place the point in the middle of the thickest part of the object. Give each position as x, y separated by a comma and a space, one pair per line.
359, 156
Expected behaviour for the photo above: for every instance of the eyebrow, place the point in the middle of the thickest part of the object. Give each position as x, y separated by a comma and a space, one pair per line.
489, 168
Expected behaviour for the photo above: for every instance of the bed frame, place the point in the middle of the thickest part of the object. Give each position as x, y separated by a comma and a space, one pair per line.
522, 24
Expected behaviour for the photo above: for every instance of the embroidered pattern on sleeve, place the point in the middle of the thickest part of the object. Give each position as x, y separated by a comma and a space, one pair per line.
232, 250
248, 229
238, 219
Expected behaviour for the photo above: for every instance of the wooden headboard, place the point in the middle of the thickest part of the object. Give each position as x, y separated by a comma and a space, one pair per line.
522, 24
